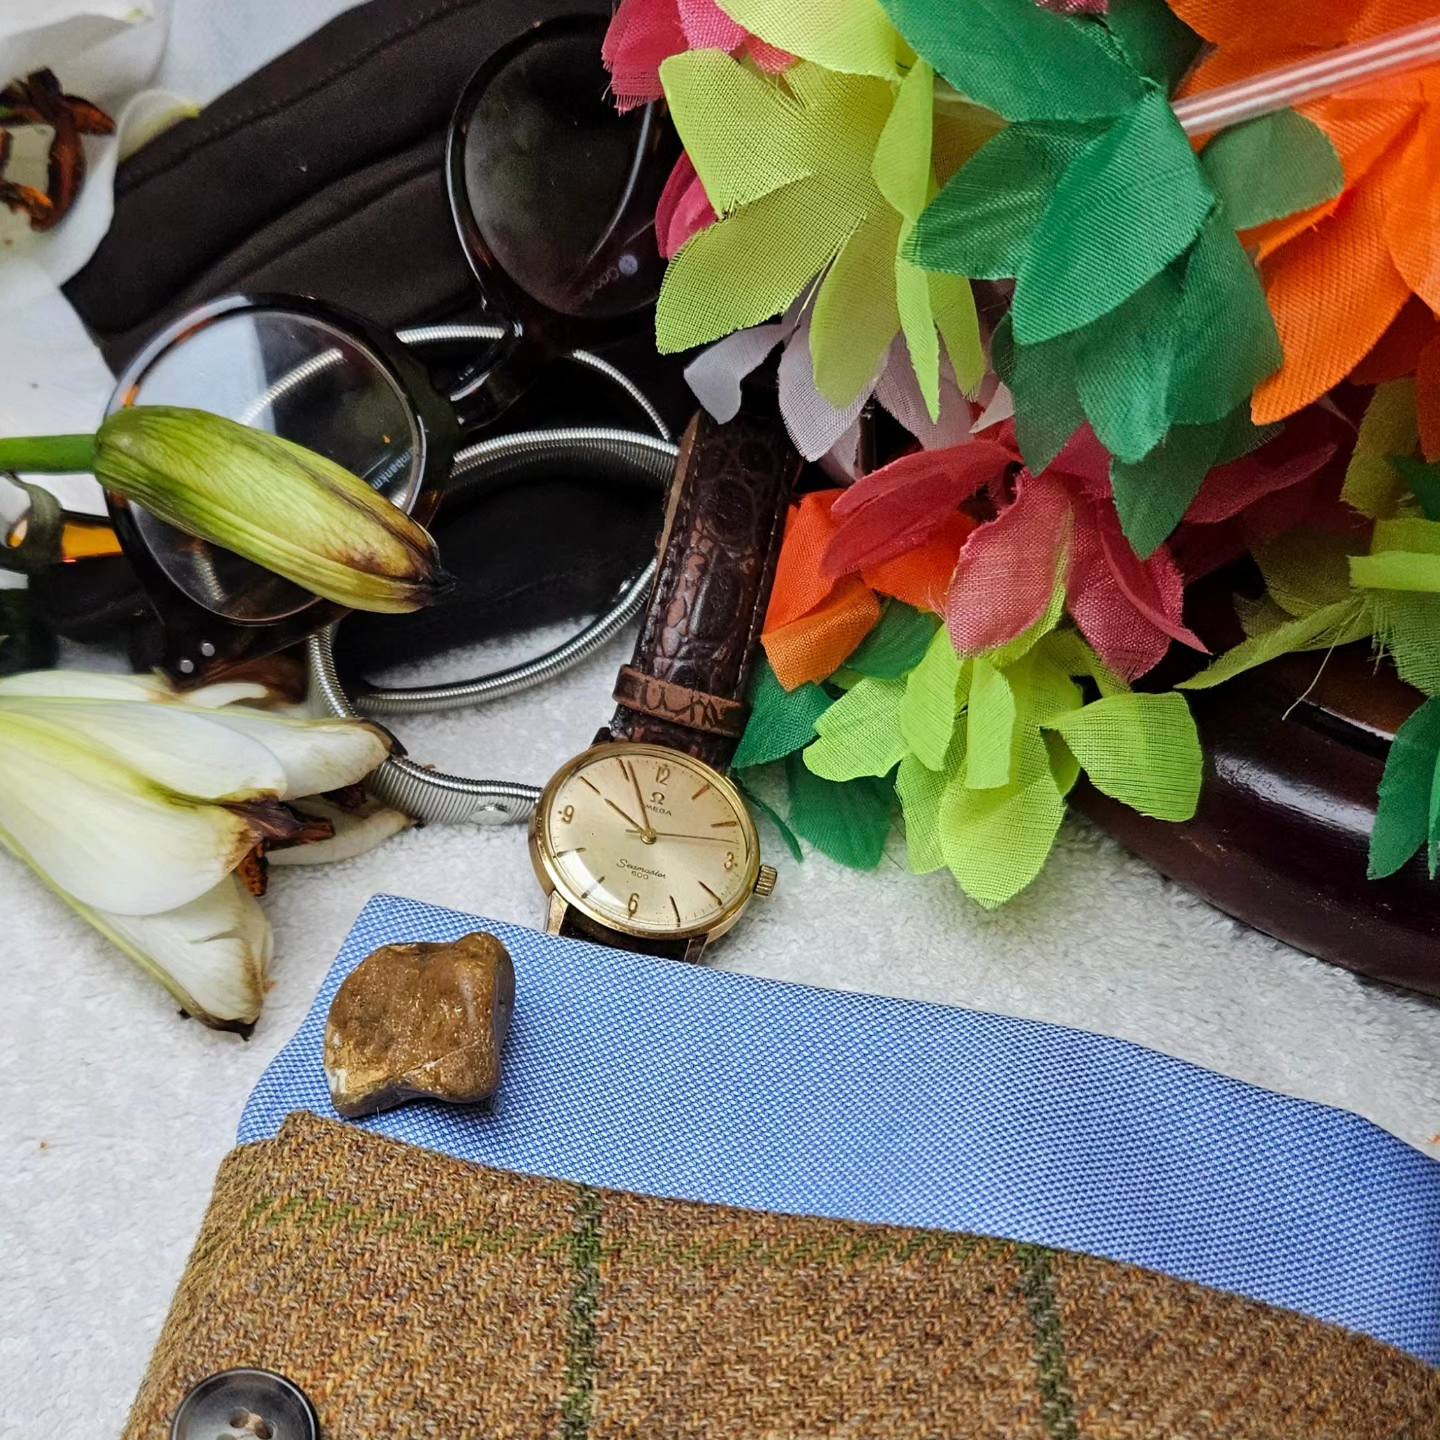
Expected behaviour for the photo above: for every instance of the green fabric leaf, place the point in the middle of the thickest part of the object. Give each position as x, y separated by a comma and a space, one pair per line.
1067, 650
1405, 815
1155, 40
997, 841
1405, 555
934, 692
1153, 494
1130, 204
1042, 379
1142, 750
897, 644
848, 821
1271, 167
989, 728
856, 315
1063, 764
786, 834
1323, 629
855, 38
1389, 428
1122, 366
981, 222
1020, 60
781, 721
1422, 479
860, 733
920, 790
1407, 628
1042, 688
1230, 342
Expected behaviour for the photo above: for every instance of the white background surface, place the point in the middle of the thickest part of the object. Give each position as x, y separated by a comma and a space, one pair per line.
115, 1112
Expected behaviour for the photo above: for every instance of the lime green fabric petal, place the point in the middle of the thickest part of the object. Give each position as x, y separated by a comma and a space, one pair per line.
854, 37
897, 644
1142, 750
989, 728
1063, 764
917, 324
1389, 428
744, 134
952, 302
902, 166
781, 721
1068, 651
1406, 814
847, 821
855, 316
997, 841
934, 692
920, 790
1407, 628
742, 270
1307, 569
1042, 688
1272, 167
1020, 60
860, 733
1322, 629
1130, 204
1405, 555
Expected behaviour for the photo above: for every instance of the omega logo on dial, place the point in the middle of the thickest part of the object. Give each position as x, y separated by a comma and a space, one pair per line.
647, 840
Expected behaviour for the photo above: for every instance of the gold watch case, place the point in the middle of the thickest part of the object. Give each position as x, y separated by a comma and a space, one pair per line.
546, 856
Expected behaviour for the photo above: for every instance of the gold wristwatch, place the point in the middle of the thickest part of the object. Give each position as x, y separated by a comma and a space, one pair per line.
641, 842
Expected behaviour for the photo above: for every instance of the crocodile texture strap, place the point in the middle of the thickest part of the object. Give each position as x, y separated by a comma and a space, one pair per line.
685, 686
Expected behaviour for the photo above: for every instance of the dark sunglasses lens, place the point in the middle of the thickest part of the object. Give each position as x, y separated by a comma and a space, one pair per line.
561, 187
296, 376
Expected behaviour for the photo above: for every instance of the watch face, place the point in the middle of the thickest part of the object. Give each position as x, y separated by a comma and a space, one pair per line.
647, 840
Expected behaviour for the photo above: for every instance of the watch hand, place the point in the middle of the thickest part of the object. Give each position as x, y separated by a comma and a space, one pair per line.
640, 799
677, 835
645, 831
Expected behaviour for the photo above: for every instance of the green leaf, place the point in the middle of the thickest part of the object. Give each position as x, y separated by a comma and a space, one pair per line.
787, 835
1122, 368
897, 644
1042, 378
920, 790
1423, 480
1407, 628
1271, 167
860, 733
1230, 342
989, 728
1404, 817
1157, 42
1142, 750
1323, 629
1388, 427
848, 821
1130, 204
997, 841
1153, 494
781, 721
934, 692
981, 222
1020, 60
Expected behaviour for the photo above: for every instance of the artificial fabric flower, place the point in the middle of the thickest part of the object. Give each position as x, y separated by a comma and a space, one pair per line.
1338, 274
287, 508
645, 33
138, 807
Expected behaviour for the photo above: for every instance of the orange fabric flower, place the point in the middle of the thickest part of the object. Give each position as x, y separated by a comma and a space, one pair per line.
1338, 276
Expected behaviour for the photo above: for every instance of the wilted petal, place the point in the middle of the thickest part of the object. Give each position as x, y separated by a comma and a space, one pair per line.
1007, 572
356, 833
317, 755
104, 833
187, 751
211, 954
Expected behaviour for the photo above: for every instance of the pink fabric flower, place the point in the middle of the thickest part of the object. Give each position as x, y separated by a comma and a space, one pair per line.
646, 33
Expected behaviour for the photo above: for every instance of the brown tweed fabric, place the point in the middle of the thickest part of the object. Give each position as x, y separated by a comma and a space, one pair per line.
414, 1295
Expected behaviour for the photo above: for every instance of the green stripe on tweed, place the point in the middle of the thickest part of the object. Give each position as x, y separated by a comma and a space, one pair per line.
583, 1356
1057, 1403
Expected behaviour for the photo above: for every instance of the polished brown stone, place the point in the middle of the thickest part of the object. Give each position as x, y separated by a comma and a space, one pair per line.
420, 1021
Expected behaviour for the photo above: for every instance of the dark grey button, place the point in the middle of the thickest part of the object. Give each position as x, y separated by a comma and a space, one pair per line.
245, 1405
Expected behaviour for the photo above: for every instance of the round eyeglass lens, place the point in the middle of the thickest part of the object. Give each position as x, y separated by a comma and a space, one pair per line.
293, 375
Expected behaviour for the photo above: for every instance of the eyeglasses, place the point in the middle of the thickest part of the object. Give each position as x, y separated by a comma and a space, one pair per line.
552, 193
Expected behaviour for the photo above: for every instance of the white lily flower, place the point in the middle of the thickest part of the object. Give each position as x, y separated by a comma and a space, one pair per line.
136, 804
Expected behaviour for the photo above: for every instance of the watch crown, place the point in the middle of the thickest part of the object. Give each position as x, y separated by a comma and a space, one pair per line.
765, 880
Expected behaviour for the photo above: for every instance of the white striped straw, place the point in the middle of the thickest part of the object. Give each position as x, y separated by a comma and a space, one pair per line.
1336, 70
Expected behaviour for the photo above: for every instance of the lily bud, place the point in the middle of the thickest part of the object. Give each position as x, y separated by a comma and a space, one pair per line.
272, 501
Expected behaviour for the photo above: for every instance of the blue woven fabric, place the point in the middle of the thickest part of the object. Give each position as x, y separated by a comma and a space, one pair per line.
650, 1076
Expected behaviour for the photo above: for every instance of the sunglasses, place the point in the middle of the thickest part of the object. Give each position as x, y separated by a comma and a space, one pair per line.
553, 195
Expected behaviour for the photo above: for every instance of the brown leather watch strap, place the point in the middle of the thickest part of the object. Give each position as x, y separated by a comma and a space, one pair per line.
685, 686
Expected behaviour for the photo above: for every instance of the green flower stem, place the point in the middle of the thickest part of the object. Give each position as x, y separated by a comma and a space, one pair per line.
49, 454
